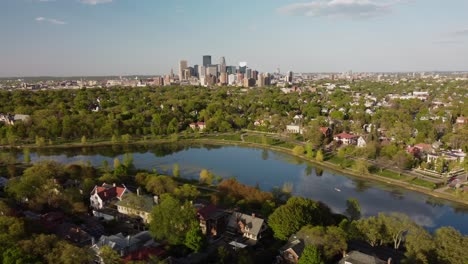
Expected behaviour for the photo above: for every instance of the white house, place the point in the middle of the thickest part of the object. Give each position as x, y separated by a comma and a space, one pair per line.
361, 142
294, 129
103, 195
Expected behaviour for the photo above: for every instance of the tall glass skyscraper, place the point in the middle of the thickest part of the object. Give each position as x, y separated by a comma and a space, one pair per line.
206, 60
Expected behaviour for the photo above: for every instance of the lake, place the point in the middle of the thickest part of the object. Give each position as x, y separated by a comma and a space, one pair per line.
269, 169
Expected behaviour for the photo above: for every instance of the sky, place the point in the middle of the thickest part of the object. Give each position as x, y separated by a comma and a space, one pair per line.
149, 37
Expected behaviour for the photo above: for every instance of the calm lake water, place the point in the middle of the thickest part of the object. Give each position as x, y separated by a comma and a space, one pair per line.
271, 169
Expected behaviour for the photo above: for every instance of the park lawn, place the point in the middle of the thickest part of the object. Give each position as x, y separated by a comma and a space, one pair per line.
391, 174
424, 183
342, 162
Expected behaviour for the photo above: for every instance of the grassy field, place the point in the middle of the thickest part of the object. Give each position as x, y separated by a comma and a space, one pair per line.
390, 174
424, 183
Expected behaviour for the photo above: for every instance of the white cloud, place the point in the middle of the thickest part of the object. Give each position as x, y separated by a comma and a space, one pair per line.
95, 2
50, 20
354, 9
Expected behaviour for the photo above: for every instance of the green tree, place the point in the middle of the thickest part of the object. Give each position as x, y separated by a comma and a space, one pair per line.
206, 177
361, 166
298, 150
15, 255
160, 184
309, 151
396, 226
310, 255
26, 155
319, 156
164, 226
109, 256
194, 239
187, 191
420, 246
353, 209
176, 170
330, 240
296, 213
372, 230
451, 246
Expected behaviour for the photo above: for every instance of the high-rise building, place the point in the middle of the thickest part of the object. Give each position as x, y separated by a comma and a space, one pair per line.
223, 78
201, 71
231, 69
255, 75
195, 71
207, 60
222, 65
212, 69
187, 73
248, 73
232, 79
182, 66
289, 76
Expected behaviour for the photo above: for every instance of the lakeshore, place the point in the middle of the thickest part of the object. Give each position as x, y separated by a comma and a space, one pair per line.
236, 139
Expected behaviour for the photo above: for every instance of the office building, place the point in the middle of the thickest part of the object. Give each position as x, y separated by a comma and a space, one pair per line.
201, 71
232, 79
206, 60
212, 69
222, 65
248, 73
195, 71
231, 69
223, 78
182, 66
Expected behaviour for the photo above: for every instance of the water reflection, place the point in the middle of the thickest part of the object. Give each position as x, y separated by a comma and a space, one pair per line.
270, 169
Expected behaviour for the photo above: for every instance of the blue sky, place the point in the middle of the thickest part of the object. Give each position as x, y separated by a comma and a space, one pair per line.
120, 37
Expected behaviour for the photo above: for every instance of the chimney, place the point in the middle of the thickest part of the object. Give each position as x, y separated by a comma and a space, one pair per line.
128, 240
389, 261
93, 241
113, 184
156, 199
253, 215
138, 191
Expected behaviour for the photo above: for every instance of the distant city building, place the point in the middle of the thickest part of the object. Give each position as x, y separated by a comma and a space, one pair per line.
210, 80
223, 78
182, 66
231, 69
232, 79
222, 65
289, 77
206, 60
255, 75
195, 71
159, 81
248, 73
201, 71
248, 82
212, 69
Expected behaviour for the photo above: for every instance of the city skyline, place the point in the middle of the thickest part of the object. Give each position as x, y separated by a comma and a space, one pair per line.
119, 37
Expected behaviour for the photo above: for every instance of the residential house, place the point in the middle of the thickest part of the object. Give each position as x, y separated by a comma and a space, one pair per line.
292, 251
10, 120
294, 129
73, 234
137, 205
356, 257
424, 148
326, 131
447, 155
124, 245
250, 226
103, 195
346, 139
199, 125
212, 220
362, 142
461, 120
